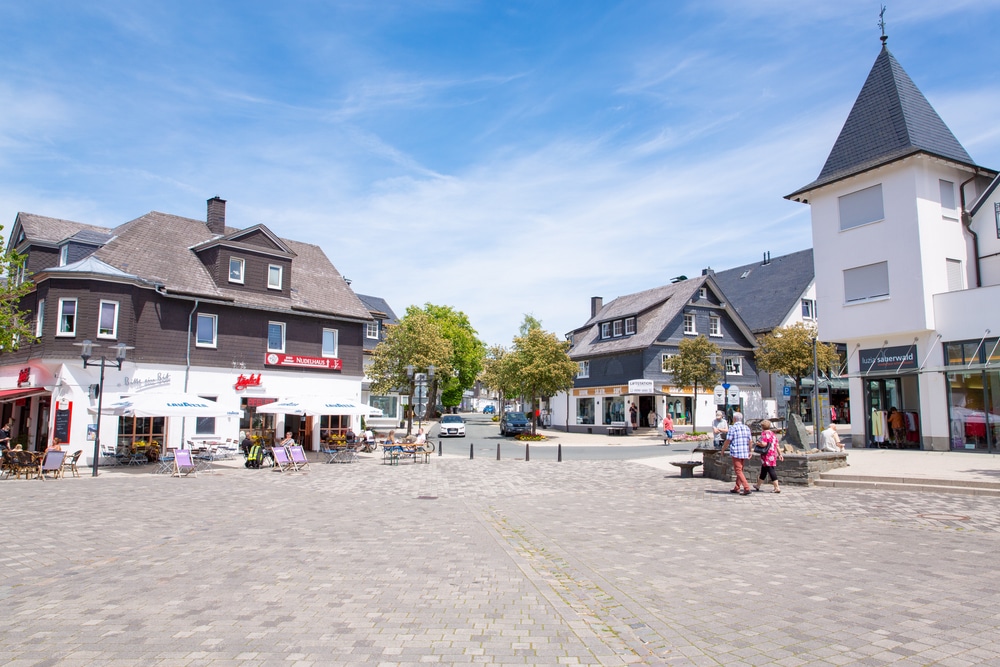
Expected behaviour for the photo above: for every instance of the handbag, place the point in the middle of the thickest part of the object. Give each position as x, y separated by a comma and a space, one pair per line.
761, 449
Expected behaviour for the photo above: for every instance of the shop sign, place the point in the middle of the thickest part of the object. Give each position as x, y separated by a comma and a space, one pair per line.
244, 381
677, 391
640, 386
298, 361
23, 376
601, 391
889, 359
134, 383
257, 402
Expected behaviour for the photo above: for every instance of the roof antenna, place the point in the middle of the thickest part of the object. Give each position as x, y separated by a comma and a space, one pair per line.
881, 24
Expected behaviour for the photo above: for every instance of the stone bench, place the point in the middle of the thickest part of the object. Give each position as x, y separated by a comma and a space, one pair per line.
687, 467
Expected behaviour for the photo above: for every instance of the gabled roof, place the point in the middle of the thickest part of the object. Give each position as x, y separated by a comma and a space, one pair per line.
891, 119
376, 304
237, 238
763, 293
654, 310
50, 231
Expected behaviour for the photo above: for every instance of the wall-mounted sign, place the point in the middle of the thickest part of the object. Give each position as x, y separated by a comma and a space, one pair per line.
253, 402
23, 376
889, 359
601, 391
298, 361
62, 420
244, 381
136, 383
640, 386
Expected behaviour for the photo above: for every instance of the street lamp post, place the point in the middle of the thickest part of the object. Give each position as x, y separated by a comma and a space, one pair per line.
713, 358
85, 353
420, 382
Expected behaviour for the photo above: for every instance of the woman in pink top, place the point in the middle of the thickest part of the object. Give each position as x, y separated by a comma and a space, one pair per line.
769, 459
668, 427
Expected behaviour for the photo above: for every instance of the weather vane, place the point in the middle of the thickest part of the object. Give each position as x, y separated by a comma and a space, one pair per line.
881, 24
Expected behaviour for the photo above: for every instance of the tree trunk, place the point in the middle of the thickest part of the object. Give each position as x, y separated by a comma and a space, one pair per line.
798, 396
694, 409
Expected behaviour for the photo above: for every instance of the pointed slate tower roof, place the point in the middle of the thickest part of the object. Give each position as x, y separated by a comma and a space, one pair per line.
890, 120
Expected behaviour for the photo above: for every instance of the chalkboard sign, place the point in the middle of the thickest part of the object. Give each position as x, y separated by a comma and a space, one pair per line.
61, 429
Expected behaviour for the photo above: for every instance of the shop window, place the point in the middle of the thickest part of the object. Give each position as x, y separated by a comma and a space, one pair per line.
206, 334
861, 207
332, 427
236, 269
275, 336
67, 317
387, 404
584, 369
614, 410
330, 343
107, 320
865, 283
630, 326
585, 411
689, 324
714, 325
132, 430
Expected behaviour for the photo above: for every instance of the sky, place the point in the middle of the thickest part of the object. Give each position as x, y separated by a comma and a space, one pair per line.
502, 158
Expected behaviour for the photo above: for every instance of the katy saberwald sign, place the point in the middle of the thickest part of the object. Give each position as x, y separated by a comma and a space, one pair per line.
889, 359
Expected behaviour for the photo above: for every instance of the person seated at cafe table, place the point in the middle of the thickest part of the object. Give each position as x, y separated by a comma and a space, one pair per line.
391, 439
421, 437
288, 441
56, 445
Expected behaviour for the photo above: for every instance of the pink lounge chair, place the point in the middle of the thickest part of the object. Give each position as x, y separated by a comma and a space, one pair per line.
298, 455
281, 459
183, 465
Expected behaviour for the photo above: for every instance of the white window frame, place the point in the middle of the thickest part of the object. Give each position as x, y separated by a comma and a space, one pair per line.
715, 326
629, 326
241, 263
40, 318
64, 255
862, 207
734, 365
949, 205
808, 309
100, 316
617, 328
271, 268
214, 343
605, 330
584, 369
664, 359
206, 425
372, 329
863, 284
690, 326
281, 327
702, 292
60, 331
336, 343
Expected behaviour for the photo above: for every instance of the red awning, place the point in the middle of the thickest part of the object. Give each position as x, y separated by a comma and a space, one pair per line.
7, 395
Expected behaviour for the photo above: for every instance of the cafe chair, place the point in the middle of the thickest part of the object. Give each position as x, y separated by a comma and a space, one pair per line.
70, 463
183, 465
52, 463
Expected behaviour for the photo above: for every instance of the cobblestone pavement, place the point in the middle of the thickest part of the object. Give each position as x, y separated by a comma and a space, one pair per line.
486, 562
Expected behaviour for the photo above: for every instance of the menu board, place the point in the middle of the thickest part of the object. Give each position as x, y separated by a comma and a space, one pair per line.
61, 428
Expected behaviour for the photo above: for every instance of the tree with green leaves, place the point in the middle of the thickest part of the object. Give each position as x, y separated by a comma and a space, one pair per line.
789, 351
15, 326
415, 341
541, 366
467, 353
530, 322
498, 372
692, 365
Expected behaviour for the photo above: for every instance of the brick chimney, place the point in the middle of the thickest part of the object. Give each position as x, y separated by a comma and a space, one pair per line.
596, 303
217, 216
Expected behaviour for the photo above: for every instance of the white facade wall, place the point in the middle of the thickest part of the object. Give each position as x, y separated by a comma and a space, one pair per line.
987, 227
794, 316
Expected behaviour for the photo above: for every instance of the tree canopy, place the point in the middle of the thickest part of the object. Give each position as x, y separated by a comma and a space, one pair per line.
788, 351
692, 365
541, 366
15, 327
467, 352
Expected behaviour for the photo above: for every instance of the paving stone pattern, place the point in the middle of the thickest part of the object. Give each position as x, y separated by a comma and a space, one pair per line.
486, 562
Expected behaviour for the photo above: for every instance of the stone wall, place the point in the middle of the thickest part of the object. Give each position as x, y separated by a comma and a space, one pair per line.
803, 469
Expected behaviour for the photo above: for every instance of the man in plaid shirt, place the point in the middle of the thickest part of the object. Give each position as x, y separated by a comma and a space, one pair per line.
738, 444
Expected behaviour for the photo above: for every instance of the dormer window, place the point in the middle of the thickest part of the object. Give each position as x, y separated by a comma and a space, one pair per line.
606, 330
629, 326
371, 330
64, 255
618, 328
236, 270
274, 272
702, 292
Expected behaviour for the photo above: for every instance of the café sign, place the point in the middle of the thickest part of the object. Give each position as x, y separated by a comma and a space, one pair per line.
889, 359
299, 361
640, 386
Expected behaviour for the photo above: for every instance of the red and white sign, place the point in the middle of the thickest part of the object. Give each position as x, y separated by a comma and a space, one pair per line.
23, 376
242, 382
296, 361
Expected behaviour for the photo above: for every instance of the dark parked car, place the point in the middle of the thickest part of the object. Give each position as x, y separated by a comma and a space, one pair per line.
514, 422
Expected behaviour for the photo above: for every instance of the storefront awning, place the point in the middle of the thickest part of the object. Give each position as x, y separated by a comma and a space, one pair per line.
8, 395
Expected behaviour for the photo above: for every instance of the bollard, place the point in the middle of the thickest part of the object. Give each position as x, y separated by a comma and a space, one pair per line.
527, 452
559, 453
498, 451
440, 447
471, 445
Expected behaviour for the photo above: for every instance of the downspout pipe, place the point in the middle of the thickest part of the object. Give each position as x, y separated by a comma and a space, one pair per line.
967, 223
187, 368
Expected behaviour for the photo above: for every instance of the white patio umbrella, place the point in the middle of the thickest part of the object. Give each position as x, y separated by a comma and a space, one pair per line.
165, 405
318, 405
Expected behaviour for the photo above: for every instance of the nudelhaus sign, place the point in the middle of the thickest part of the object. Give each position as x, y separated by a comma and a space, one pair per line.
889, 359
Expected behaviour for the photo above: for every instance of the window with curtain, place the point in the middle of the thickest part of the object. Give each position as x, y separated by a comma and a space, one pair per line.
864, 283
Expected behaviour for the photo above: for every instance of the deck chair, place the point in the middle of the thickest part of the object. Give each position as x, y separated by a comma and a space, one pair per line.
298, 455
69, 463
52, 463
183, 465
281, 459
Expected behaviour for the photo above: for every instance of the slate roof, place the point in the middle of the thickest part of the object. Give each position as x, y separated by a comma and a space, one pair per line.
376, 304
891, 119
764, 294
157, 248
92, 265
654, 309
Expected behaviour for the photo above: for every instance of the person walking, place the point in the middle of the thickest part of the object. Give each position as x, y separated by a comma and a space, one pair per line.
769, 459
719, 429
5, 434
738, 445
668, 428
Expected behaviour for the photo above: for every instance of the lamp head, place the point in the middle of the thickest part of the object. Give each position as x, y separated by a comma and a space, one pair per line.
87, 349
430, 371
409, 371
120, 353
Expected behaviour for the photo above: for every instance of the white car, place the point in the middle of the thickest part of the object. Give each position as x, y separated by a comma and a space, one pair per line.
451, 425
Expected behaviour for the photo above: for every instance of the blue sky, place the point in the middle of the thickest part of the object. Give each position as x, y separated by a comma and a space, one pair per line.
500, 157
